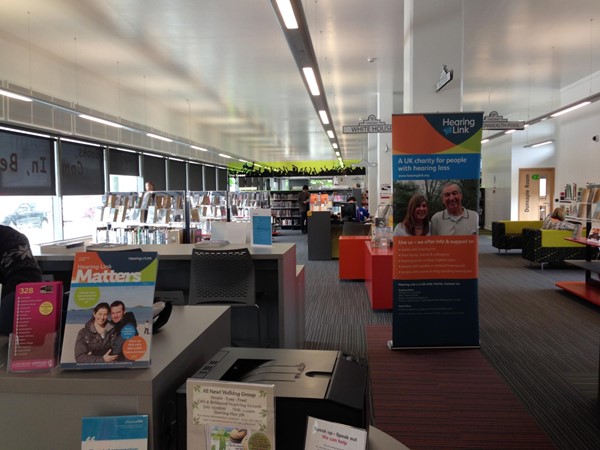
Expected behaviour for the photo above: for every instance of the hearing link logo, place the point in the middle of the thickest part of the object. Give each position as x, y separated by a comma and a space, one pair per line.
457, 126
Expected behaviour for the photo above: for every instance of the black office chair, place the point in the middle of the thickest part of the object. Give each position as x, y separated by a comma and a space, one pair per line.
224, 277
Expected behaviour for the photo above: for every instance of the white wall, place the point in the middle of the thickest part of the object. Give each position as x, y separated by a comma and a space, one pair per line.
496, 178
578, 159
573, 154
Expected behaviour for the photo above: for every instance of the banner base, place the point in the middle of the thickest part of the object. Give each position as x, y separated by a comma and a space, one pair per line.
390, 345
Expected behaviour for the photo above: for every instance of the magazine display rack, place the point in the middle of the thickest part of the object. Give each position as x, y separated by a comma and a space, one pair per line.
241, 203
587, 212
157, 217
205, 208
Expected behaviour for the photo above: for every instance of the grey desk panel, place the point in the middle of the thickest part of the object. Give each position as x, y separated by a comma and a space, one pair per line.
275, 276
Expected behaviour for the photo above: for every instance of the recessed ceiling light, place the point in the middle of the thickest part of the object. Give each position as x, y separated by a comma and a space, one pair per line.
161, 138
324, 117
287, 13
311, 80
15, 96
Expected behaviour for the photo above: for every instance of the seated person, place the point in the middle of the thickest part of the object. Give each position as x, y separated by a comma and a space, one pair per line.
362, 214
556, 221
17, 265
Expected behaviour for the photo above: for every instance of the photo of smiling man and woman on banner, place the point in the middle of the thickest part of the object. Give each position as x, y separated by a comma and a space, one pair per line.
436, 172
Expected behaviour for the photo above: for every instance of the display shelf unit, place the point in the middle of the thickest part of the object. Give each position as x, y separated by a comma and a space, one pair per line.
587, 211
157, 217
285, 210
205, 207
241, 203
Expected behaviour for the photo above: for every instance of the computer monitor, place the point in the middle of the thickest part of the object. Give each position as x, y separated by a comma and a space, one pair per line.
348, 211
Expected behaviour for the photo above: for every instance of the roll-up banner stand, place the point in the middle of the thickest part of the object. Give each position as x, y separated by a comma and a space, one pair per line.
436, 161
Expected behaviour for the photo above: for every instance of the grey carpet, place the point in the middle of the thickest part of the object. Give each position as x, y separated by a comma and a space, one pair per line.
543, 341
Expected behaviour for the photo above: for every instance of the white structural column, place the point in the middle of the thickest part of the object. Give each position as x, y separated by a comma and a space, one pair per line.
433, 37
380, 150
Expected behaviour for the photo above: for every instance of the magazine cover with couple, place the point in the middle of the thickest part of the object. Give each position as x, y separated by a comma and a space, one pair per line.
109, 314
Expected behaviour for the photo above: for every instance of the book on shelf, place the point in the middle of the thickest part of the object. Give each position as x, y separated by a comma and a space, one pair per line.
109, 310
229, 415
33, 345
121, 213
114, 432
596, 215
147, 199
151, 214
594, 235
163, 215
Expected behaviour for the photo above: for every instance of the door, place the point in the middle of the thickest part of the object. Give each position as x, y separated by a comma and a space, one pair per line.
536, 193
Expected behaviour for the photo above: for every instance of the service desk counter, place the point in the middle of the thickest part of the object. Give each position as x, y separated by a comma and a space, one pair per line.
323, 236
275, 266
43, 410
378, 275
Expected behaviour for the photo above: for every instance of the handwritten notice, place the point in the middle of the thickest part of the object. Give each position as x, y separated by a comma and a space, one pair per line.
324, 435
230, 416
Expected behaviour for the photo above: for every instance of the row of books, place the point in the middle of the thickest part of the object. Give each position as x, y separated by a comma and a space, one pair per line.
210, 212
151, 215
590, 195
140, 235
586, 211
144, 200
208, 198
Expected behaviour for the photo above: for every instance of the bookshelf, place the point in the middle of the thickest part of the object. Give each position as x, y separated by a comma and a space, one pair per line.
240, 204
587, 212
157, 217
205, 207
286, 211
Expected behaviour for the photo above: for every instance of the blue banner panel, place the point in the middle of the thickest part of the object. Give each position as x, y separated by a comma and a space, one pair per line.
435, 313
436, 167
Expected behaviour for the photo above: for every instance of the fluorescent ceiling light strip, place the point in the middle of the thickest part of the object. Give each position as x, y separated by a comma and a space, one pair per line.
572, 108
223, 155
15, 96
80, 142
311, 80
287, 13
102, 121
242, 160
330, 134
324, 117
539, 144
509, 131
195, 147
335, 145
484, 141
156, 136
338, 154
31, 133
